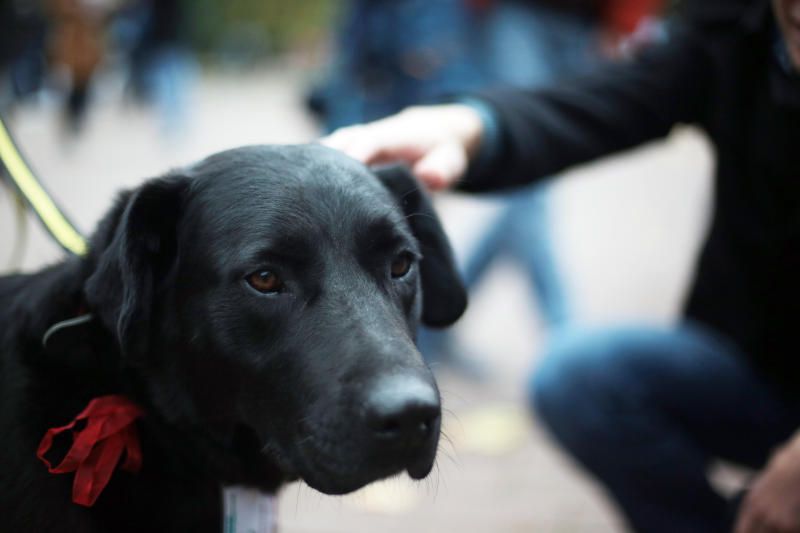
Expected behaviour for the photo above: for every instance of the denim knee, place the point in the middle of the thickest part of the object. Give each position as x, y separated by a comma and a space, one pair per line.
575, 383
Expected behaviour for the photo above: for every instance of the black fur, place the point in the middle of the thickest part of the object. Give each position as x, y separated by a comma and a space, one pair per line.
239, 387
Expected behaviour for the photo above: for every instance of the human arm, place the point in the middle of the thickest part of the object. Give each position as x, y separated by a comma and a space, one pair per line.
543, 131
610, 110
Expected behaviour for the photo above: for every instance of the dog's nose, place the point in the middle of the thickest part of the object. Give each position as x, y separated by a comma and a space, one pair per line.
402, 410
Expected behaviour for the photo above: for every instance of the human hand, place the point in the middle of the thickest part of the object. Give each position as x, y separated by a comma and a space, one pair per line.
773, 502
438, 142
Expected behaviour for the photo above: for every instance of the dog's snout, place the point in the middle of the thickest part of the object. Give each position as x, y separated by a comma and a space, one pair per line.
402, 410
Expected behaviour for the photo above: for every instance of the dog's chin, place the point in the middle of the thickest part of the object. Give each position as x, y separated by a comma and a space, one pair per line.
337, 481
421, 468
334, 486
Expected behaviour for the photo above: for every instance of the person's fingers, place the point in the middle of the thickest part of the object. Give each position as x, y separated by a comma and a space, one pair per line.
745, 522
372, 143
365, 150
335, 139
342, 138
434, 141
745, 525
754, 519
443, 166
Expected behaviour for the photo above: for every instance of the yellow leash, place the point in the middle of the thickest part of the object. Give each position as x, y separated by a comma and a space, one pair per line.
56, 223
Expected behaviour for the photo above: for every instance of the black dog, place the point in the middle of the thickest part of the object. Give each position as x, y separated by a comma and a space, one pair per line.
260, 309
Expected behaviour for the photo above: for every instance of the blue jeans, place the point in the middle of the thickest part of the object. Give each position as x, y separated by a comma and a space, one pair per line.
529, 45
525, 44
522, 233
646, 409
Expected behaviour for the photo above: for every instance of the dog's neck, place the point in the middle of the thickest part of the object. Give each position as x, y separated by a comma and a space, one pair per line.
82, 362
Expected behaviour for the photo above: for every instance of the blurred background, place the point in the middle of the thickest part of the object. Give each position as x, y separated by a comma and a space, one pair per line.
101, 94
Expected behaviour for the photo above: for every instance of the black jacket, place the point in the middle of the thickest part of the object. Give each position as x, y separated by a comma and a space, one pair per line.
719, 71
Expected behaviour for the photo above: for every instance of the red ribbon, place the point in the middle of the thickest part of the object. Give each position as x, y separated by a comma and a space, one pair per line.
96, 449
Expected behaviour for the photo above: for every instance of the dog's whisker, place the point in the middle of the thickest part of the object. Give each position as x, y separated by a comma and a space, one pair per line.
415, 190
432, 481
446, 453
454, 417
452, 393
449, 411
420, 215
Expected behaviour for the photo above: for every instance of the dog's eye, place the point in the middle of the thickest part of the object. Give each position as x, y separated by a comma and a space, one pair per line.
401, 265
265, 281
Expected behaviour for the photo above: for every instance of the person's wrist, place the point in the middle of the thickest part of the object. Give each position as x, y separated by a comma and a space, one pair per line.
468, 126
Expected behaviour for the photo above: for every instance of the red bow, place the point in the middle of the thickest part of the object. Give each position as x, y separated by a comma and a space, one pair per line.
96, 449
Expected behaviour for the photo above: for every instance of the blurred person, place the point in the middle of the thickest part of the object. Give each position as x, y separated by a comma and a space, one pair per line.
534, 43
161, 67
22, 51
76, 48
394, 53
457, 45
646, 409
71, 40
377, 71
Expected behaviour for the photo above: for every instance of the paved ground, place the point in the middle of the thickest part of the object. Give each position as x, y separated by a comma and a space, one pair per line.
626, 229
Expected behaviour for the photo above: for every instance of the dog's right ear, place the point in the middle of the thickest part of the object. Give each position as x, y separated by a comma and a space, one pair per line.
443, 294
133, 253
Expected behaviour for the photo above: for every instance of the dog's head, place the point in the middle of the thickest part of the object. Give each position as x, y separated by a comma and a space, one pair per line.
276, 291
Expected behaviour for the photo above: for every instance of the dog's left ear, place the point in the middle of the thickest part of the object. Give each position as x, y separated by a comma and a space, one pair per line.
444, 297
134, 251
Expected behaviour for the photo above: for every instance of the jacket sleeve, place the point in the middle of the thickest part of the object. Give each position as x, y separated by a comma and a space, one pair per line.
614, 108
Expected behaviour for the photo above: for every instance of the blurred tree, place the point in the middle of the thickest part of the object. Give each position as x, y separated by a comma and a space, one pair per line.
252, 29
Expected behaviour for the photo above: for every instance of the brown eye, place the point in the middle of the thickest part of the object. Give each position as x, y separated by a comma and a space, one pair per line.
265, 281
401, 265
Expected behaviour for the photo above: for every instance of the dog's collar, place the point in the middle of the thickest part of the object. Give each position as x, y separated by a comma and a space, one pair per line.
65, 324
